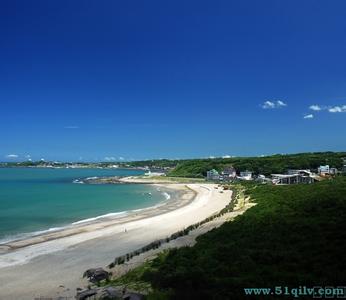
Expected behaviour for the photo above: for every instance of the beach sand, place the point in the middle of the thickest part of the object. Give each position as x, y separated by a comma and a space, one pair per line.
52, 265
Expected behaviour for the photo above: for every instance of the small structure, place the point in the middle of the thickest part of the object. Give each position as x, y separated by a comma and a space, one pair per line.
213, 175
262, 179
323, 170
245, 175
229, 173
96, 275
333, 171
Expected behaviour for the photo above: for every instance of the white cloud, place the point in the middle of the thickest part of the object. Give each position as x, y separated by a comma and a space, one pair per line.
268, 105
272, 105
331, 109
309, 116
121, 158
11, 156
315, 107
211, 157
337, 109
280, 103
226, 156
28, 156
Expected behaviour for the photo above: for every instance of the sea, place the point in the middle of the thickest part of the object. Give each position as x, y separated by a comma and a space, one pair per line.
38, 200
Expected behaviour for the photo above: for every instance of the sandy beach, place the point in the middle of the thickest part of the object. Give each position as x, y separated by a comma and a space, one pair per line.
52, 265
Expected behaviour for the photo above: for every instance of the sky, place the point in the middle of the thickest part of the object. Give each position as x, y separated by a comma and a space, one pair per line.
131, 80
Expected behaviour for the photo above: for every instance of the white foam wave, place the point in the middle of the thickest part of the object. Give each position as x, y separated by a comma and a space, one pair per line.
166, 195
100, 217
21, 236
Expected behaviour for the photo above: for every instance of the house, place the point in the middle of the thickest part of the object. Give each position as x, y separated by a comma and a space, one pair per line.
229, 173
262, 179
213, 175
333, 171
323, 170
245, 175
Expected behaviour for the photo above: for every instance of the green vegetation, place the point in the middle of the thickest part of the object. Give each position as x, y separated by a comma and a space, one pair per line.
294, 236
132, 279
260, 165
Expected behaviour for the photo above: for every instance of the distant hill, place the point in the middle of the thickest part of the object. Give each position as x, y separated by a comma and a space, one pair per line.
259, 165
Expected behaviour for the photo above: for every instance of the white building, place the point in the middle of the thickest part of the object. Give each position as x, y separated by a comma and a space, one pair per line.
245, 175
293, 171
333, 171
229, 173
296, 178
323, 170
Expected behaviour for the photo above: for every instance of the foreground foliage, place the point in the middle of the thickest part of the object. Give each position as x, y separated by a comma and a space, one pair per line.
294, 236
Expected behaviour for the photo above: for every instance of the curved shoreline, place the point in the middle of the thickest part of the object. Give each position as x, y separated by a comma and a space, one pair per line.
100, 222
61, 262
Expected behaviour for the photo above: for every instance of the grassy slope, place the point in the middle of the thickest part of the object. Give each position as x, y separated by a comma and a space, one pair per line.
295, 236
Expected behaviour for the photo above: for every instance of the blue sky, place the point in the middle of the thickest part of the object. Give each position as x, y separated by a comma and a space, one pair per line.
86, 80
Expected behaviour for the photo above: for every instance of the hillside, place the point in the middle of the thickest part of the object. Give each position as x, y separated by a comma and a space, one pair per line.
295, 236
259, 165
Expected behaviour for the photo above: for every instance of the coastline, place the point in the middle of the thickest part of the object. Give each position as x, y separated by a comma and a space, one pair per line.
97, 245
181, 196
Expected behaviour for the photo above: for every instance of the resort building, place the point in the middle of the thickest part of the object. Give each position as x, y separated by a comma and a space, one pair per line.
245, 175
305, 178
229, 173
323, 170
293, 171
213, 175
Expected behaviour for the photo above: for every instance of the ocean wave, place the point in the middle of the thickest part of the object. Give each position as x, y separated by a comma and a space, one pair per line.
166, 195
100, 217
82, 181
78, 181
25, 235
21, 236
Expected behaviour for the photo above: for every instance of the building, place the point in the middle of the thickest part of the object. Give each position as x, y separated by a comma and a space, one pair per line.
323, 170
294, 171
229, 173
262, 179
213, 175
333, 171
245, 175
293, 178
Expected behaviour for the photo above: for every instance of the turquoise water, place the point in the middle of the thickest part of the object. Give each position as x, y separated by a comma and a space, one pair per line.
35, 199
